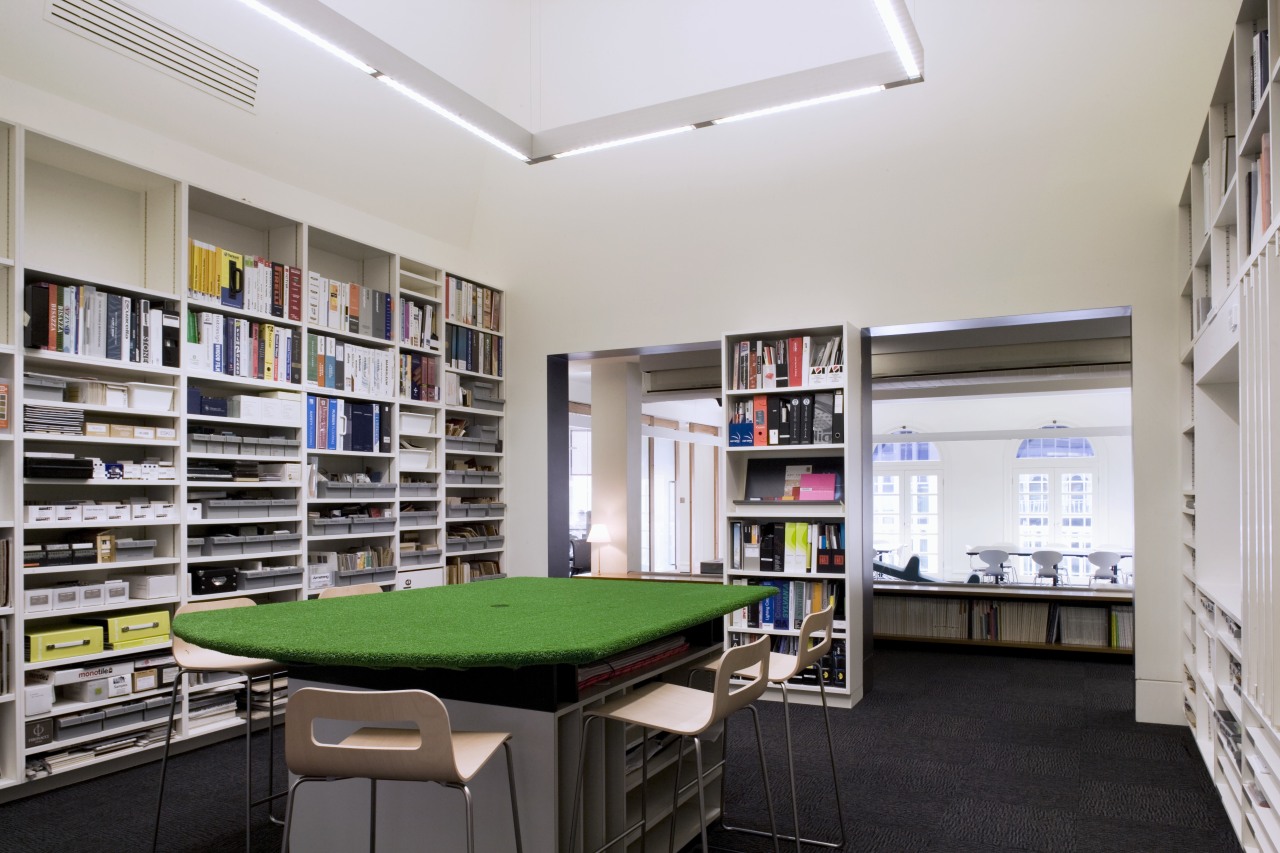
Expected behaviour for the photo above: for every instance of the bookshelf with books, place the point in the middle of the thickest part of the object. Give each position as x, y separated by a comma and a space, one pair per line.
350, 373
419, 335
472, 431
11, 490
794, 420
1228, 264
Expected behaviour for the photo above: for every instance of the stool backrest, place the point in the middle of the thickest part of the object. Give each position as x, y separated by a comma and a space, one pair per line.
994, 558
810, 652
191, 656
428, 758
750, 661
1105, 560
1047, 561
354, 589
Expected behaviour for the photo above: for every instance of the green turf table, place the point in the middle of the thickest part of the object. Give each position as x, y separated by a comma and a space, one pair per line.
503, 654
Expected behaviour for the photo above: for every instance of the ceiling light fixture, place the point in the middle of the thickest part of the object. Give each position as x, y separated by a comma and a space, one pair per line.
850, 78
423, 100
892, 23
308, 35
811, 102
627, 141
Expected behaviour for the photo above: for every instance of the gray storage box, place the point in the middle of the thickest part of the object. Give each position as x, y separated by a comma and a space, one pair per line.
251, 579
221, 508
477, 510
331, 489
127, 714
489, 477
128, 550
484, 432
455, 511
255, 508
157, 708
222, 546
37, 386
77, 725
487, 405
419, 558
283, 508
495, 541
286, 576
286, 541
361, 524
382, 574
198, 443
418, 490
385, 524
328, 526
195, 546
452, 476
259, 543
419, 517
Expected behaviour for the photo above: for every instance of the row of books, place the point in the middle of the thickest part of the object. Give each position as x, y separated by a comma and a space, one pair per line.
1259, 68
473, 304
233, 346
793, 602
478, 352
1258, 186
219, 276
81, 319
768, 420
334, 424
347, 307
458, 570
795, 362
332, 363
1036, 622
418, 378
418, 325
830, 669
358, 559
791, 546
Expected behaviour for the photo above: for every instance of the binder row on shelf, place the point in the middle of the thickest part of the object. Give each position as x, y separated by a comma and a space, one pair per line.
345, 366
472, 303
795, 600
795, 362
334, 424
768, 420
832, 670
790, 546
232, 346
351, 308
84, 320
418, 379
477, 352
222, 277
418, 325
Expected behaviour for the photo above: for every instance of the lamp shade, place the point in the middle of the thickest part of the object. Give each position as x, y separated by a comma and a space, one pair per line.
598, 533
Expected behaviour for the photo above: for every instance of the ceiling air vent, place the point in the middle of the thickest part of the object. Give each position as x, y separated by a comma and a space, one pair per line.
158, 45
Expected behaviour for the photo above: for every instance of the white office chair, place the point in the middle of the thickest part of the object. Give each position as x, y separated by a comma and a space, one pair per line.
1107, 563
996, 562
1047, 565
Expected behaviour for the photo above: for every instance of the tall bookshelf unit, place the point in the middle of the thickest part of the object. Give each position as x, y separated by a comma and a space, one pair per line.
820, 541
1229, 260
214, 480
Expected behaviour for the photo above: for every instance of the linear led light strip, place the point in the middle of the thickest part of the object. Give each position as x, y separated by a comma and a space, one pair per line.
885, 7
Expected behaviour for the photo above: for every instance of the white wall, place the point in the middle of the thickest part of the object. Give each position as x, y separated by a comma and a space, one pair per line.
977, 487
1020, 178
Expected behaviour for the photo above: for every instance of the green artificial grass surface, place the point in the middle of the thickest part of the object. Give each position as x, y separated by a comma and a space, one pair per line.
511, 622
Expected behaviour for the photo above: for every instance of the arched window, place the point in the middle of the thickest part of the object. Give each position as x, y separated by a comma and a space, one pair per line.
1056, 480
907, 500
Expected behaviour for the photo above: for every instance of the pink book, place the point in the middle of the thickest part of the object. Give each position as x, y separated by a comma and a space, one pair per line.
817, 487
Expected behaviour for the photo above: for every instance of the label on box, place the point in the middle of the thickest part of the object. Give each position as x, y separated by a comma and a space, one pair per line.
166, 433
40, 512
119, 685
146, 679
77, 674
93, 512
101, 430
121, 430
144, 432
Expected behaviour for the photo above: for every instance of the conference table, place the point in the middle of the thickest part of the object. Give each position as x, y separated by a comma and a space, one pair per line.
523, 655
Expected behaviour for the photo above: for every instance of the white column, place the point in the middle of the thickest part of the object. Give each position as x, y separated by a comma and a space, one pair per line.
615, 463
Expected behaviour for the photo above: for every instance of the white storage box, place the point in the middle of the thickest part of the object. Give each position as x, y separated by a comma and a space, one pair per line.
150, 397
419, 578
151, 586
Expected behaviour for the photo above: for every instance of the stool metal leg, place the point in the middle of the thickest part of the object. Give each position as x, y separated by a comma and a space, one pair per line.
791, 765
373, 815
764, 777
511, 783
675, 799
164, 758
831, 754
471, 829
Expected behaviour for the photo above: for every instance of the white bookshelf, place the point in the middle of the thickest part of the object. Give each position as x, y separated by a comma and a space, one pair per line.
1229, 262
72, 217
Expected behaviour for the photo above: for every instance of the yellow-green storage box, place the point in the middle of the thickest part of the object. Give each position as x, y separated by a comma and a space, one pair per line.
123, 629
52, 642
139, 642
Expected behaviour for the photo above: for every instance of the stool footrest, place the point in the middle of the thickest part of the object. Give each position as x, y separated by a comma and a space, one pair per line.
621, 835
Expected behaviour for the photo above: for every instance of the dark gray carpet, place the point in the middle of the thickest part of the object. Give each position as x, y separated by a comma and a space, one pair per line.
951, 753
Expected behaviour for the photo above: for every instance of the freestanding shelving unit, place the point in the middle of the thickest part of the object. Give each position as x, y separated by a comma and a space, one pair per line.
216, 475
1229, 261
793, 403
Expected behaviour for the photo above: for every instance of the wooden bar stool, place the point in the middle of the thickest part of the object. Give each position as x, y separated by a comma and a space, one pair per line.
353, 589
688, 713
814, 644
430, 751
194, 659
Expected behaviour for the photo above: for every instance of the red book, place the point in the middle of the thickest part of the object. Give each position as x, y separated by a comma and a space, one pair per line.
795, 362
760, 420
294, 277
277, 290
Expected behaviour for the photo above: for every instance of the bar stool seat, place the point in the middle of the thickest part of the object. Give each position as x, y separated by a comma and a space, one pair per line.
197, 659
688, 713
